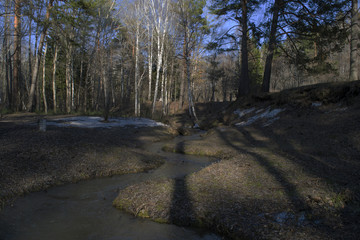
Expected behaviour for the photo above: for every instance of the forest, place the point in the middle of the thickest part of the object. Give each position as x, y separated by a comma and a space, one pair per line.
153, 57
225, 119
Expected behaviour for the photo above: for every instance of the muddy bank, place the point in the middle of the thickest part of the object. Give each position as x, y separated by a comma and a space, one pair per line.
31, 160
295, 179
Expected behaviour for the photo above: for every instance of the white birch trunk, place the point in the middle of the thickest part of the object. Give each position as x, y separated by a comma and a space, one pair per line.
150, 59
137, 112
161, 29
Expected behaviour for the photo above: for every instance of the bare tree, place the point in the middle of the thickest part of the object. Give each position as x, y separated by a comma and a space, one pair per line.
355, 31
54, 77
160, 15
38, 56
44, 80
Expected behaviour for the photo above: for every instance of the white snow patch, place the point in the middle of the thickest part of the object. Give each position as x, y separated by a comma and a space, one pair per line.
267, 113
97, 122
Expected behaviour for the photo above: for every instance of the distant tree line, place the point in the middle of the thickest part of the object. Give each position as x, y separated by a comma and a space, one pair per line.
151, 56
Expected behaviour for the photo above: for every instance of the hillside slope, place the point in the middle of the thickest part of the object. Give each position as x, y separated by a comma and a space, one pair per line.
289, 168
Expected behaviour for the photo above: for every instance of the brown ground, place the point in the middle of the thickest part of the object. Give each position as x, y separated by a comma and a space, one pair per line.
31, 160
298, 178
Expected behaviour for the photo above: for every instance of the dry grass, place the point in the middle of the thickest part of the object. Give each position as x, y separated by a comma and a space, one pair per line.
297, 179
31, 160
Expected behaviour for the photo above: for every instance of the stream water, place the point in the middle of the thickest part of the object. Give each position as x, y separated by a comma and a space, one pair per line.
84, 210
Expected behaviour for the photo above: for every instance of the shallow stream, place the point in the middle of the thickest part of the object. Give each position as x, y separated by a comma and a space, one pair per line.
84, 210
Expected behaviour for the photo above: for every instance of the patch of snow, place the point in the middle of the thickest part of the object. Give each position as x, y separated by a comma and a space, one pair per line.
97, 122
267, 113
316, 104
242, 113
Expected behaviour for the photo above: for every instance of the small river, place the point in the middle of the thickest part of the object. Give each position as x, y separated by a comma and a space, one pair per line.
84, 210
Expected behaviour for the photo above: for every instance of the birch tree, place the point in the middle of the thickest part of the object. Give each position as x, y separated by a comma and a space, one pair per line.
193, 25
160, 15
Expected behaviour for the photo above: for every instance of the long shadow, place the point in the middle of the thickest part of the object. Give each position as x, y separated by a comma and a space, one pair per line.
181, 209
290, 189
337, 169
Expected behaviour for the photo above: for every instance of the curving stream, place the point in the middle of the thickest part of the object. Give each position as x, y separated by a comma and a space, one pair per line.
84, 210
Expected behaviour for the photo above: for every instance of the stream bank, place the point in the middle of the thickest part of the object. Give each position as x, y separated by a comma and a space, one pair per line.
84, 210
31, 160
297, 178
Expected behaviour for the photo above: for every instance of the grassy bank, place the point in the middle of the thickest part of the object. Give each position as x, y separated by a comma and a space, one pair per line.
297, 178
31, 160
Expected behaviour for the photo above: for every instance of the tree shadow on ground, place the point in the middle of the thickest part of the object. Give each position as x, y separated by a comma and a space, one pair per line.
317, 159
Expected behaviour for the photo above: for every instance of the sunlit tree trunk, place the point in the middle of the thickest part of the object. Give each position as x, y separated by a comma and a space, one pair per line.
137, 80
44, 81
15, 93
7, 66
54, 78
355, 31
150, 59
68, 79
161, 26
38, 57
27, 81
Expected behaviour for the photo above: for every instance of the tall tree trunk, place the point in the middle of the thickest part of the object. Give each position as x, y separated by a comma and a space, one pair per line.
6, 96
44, 81
190, 95
80, 81
38, 57
158, 68
161, 28
28, 80
15, 94
106, 85
182, 89
54, 77
183, 77
244, 85
355, 31
68, 79
150, 60
136, 80
163, 85
187, 56
72, 84
272, 44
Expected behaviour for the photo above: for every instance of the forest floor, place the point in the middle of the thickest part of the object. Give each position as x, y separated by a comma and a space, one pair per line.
32, 160
289, 168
